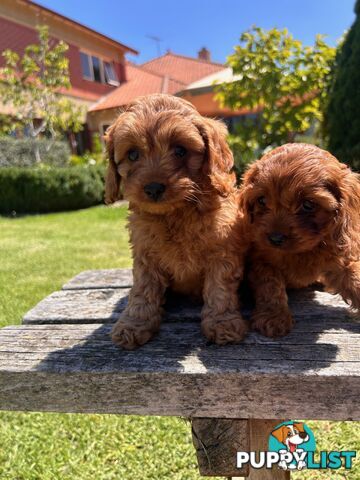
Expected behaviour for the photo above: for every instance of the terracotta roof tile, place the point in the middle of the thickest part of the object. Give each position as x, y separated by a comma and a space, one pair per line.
80, 93
181, 68
167, 74
139, 82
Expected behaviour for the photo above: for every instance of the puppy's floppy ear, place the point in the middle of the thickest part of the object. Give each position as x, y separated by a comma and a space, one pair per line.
280, 433
220, 160
348, 219
112, 180
249, 177
246, 197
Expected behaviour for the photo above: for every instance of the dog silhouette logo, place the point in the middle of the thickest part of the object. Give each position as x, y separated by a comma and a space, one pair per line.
292, 446
292, 440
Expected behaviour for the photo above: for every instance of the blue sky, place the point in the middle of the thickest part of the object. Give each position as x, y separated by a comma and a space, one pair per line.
187, 25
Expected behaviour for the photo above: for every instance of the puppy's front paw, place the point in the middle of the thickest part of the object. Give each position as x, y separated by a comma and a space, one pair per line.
273, 322
227, 328
130, 334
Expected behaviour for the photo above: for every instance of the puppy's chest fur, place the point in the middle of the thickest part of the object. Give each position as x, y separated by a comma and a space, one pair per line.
182, 245
302, 269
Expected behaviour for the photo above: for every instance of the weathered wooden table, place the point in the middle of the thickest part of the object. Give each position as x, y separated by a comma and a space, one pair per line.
62, 359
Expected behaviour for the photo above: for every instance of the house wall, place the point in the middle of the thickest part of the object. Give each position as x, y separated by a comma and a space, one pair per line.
17, 30
96, 120
208, 106
205, 103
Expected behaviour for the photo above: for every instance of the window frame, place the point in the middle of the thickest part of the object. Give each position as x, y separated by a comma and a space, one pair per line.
101, 69
116, 82
89, 59
102, 61
102, 129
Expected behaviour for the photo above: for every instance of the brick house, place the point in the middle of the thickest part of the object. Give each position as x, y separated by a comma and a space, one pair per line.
96, 62
190, 78
101, 78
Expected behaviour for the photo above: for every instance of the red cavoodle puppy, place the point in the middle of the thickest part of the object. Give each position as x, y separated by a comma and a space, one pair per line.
304, 209
185, 224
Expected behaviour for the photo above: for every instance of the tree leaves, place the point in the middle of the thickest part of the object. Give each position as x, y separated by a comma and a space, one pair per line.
342, 117
31, 84
280, 78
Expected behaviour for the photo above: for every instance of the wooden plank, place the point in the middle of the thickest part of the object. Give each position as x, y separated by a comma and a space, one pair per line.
307, 347
111, 278
105, 306
79, 306
122, 278
179, 374
217, 441
98, 306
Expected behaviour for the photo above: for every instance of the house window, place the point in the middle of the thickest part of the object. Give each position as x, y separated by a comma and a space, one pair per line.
98, 70
110, 75
86, 66
104, 127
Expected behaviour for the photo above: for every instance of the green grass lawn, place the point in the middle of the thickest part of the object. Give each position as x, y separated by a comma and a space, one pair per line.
37, 255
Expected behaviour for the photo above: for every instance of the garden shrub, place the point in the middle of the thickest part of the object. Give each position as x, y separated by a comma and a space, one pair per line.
50, 189
241, 158
88, 158
19, 152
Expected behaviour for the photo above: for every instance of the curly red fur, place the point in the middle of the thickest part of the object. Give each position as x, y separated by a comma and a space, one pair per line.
311, 203
188, 239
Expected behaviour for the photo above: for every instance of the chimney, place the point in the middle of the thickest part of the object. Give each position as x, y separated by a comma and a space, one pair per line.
204, 54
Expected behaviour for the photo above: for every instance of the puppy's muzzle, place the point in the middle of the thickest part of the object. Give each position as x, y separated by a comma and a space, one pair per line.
276, 239
154, 190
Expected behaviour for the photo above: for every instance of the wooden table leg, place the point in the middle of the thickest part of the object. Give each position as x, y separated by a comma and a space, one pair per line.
217, 440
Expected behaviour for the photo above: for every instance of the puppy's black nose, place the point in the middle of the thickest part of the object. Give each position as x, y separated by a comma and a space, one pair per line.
154, 190
276, 239
302, 435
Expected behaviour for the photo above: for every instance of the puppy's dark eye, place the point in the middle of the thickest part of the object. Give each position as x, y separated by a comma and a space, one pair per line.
308, 206
262, 201
289, 434
133, 155
180, 151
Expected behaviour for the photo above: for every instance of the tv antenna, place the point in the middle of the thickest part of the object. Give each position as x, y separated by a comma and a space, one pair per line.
157, 42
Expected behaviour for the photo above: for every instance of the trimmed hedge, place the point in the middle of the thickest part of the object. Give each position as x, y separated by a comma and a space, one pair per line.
40, 190
342, 118
19, 152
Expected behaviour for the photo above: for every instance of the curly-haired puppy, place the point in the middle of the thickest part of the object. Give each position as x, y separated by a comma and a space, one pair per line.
185, 223
304, 209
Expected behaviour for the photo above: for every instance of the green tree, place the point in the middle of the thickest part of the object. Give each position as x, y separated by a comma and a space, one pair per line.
31, 85
342, 118
279, 79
